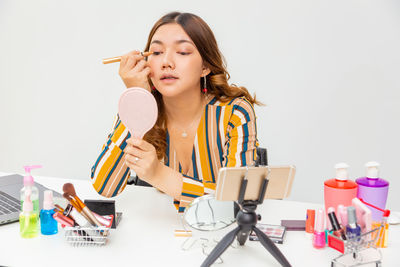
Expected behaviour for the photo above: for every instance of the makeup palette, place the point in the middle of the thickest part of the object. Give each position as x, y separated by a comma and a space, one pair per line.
275, 232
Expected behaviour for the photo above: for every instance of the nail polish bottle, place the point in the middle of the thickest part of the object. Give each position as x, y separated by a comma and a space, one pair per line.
319, 230
353, 230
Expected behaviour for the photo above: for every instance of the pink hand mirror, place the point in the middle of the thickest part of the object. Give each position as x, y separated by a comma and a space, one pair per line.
138, 111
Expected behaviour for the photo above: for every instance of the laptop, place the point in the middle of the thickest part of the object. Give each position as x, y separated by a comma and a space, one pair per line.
10, 203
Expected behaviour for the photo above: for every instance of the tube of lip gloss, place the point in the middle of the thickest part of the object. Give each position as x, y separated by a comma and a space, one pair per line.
319, 233
342, 215
337, 230
63, 220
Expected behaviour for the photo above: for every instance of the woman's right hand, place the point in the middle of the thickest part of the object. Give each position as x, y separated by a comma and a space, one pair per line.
134, 70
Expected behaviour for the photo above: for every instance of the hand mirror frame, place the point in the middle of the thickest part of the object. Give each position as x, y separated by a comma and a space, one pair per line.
138, 111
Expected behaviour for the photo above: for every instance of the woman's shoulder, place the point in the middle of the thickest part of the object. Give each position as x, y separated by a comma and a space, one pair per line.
236, 107
231, 102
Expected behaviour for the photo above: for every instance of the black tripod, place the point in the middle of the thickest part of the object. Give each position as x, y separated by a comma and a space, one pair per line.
247, 221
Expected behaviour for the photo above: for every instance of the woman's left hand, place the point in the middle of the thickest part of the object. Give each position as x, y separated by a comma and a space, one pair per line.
141, 157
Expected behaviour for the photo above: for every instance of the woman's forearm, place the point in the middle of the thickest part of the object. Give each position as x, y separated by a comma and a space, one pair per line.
168, 181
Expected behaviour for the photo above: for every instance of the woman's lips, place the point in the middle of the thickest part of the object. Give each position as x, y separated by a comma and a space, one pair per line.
168, 80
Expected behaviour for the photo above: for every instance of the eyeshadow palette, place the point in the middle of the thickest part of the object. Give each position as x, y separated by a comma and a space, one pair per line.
275, 232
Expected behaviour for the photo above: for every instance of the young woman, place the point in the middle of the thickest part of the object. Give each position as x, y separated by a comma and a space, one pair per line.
203, 123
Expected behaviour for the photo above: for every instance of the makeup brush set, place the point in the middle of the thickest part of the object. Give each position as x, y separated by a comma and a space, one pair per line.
82, 226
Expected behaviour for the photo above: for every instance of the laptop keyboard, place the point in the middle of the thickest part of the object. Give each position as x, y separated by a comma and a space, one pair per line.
8, 204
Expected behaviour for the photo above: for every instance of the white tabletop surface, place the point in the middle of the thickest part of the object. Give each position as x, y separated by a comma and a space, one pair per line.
145, 237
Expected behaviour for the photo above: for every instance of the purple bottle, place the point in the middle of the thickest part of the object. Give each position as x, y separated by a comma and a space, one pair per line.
373, 190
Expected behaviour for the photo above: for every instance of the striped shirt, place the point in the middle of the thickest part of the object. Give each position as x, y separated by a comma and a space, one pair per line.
226, 137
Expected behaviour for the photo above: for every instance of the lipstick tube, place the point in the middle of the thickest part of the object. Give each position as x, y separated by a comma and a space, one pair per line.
337, 230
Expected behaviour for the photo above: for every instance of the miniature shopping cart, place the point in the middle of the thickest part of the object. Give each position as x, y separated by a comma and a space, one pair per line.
87, 236
363, 249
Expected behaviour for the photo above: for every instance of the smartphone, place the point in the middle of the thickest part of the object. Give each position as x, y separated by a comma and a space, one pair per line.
280, 180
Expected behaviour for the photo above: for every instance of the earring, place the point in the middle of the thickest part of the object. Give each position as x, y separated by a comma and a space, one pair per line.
205, 85
153, 88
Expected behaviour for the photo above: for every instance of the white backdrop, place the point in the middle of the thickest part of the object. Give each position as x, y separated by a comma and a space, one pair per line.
328, 72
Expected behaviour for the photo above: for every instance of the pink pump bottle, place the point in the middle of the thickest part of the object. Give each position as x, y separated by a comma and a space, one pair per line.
373, 190
340, 190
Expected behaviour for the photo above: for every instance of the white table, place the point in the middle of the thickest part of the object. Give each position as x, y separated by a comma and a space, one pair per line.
145, 237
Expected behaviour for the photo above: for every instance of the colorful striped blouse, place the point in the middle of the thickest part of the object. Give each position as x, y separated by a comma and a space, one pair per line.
226, 136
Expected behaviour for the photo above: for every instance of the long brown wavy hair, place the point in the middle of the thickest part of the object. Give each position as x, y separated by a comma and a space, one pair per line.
217, 79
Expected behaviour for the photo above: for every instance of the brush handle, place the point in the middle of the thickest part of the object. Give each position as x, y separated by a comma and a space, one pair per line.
91, 216
118, 59
78, 208
87, 218
111, 60
87, 211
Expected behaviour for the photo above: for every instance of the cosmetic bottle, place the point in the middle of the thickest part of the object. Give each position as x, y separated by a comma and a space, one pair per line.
319, 230
48, 225
339, 190
310, 221
337, 229
353, 230
373, 190
30, 189
342, 214
28, 220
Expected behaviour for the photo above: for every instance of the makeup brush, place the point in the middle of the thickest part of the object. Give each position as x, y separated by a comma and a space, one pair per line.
73, 202
70, 190
59, 208
118, 59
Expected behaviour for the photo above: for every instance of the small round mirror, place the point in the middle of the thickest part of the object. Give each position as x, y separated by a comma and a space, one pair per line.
207, 214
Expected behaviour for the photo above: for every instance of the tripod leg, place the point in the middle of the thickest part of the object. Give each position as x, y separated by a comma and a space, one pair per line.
243, 235
271, 247
221, 247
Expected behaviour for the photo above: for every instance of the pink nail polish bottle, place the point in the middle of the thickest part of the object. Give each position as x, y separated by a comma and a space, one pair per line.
319, 232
